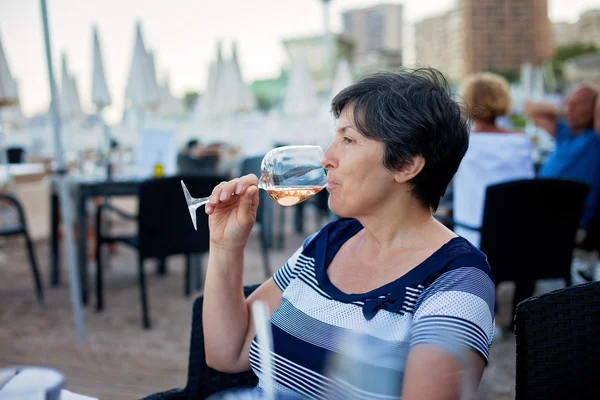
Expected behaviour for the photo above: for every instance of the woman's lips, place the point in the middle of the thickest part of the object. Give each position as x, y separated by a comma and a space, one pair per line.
331, 184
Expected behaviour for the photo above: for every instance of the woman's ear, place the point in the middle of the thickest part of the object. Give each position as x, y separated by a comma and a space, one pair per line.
410, 170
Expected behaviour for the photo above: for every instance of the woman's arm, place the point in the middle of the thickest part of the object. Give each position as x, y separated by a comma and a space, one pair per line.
227, 316
227, 320
597, 116
543, 115
452, 330
433, 373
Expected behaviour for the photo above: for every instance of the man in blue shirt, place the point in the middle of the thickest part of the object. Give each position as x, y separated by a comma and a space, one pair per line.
577, 153
597, 115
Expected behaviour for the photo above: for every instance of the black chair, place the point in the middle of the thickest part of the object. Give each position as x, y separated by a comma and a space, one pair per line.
320, 202
164, 229
528, 231
202, 380
558, 344
15, 155
18, 230
187, 165
264, 214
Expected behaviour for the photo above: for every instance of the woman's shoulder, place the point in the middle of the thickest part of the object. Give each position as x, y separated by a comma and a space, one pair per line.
456, 306
461, 259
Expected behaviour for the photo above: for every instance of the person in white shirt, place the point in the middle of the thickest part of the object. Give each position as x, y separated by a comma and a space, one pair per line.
495, 154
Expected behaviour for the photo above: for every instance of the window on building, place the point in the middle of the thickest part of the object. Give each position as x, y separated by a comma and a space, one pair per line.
516, 10
348, 22
375, 30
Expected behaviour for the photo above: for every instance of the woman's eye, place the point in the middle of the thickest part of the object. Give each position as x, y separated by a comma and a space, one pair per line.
348, 140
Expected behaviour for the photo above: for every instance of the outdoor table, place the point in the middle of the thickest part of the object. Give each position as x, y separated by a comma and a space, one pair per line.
83, 188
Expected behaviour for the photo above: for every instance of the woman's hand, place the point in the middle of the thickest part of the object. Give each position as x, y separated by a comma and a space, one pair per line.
232, 212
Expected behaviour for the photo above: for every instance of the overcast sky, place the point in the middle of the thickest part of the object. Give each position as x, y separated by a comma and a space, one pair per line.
182, 33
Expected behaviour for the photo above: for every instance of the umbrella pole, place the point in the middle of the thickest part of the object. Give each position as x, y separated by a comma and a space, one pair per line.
63, 187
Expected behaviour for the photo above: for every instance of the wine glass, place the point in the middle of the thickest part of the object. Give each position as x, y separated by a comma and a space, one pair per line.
289, 175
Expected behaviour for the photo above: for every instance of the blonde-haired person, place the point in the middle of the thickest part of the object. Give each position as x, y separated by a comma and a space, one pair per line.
495, 154
486, 97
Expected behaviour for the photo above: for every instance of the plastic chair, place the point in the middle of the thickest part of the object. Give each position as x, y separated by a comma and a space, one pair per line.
18, 230
164, 229
558, 344
187, 165
202, 380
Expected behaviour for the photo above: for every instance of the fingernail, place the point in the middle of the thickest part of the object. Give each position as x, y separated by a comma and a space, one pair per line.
223, 196
238, 188
208, 209
213, 199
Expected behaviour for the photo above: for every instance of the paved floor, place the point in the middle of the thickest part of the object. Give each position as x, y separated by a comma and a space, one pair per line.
120, 360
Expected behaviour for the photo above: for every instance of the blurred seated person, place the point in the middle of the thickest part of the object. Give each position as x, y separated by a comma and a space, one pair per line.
228, 155
116, 159
495, 155
597, 116
577, 153
192, 148
193, 159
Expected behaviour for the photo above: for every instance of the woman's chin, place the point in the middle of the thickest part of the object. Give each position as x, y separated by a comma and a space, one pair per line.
337, 209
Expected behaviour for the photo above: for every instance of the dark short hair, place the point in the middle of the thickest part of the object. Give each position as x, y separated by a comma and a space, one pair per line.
412, 112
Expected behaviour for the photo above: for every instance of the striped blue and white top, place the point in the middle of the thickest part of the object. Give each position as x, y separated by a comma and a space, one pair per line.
329, 344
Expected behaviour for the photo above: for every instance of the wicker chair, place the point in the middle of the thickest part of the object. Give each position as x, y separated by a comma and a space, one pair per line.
204, 381
558, 344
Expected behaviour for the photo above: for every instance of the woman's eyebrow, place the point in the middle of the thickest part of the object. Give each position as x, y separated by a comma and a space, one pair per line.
345, 128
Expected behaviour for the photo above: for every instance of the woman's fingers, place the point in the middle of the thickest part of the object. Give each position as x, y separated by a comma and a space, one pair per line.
244, 183
227, 192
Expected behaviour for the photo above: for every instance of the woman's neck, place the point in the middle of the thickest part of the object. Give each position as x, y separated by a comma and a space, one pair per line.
395, 226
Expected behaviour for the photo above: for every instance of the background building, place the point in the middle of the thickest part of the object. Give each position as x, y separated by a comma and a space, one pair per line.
485, 35
439, 44
377, 35
586, 30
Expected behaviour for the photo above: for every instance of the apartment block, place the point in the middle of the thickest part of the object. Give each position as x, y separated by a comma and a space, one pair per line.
377, 35
484, 35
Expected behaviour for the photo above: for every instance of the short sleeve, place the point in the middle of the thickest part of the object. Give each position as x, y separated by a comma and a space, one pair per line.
456, 310
289, 271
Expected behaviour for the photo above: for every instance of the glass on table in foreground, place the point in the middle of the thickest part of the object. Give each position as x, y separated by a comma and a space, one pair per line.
289, 175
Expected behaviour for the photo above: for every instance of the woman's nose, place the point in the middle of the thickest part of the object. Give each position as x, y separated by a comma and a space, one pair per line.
328, 160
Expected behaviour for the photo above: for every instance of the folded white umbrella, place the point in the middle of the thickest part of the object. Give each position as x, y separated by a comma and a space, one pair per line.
538, 90
70, 106
205, 106
100, 95
226, 92
170, 106
12, 116
300, 97
9, 97
142, 91
342, 79
152, 67
525, 80
8, 86
245, 99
